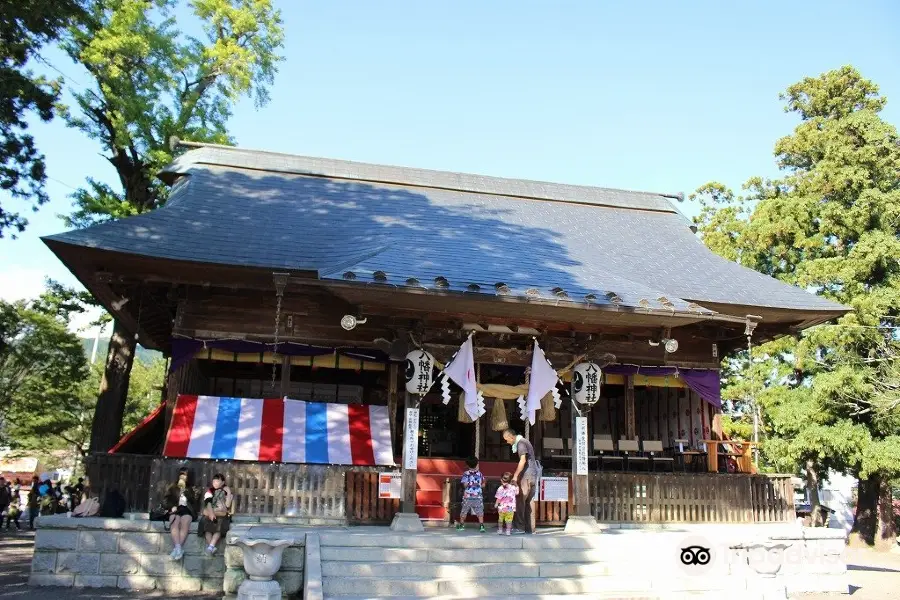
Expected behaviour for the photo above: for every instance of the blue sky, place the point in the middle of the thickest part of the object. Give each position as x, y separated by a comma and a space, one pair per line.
659, 96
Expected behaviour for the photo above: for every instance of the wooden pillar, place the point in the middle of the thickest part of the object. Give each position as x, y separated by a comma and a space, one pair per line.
285, 383
581, 495
410, 453
629, 408
173, 388
392, 404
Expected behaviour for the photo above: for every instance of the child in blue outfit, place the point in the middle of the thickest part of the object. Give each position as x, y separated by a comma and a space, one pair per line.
473, 495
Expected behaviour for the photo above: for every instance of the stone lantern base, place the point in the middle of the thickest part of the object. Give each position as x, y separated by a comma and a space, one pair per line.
259, 590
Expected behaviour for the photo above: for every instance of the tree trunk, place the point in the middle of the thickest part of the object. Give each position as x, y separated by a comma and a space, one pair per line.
812, 490
874, 523
107, 426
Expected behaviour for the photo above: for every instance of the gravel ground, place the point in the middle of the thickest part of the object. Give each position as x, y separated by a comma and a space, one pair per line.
15, 565
873, 576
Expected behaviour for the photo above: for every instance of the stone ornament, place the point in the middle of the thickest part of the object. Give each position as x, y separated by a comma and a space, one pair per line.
262, 559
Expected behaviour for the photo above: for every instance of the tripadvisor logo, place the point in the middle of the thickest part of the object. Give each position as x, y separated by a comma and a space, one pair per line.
694, 556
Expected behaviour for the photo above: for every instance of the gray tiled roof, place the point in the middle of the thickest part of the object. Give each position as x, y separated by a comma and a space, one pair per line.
375, 224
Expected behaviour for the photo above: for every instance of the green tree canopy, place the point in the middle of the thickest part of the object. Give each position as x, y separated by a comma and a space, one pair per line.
26, 26
830, 224
150, 82
42, 364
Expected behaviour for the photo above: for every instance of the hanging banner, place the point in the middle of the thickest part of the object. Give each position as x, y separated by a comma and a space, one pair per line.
581, 446
411, 439
279, 430
389, 485
462, 371
543, 381
554, 489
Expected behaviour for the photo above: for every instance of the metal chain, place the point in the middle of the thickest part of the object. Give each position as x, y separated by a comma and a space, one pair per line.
275, 348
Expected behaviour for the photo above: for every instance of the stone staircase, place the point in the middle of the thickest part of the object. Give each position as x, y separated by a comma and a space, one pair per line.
472, 565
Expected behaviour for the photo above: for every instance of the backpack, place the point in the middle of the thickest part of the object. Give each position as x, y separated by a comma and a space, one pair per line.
113, 505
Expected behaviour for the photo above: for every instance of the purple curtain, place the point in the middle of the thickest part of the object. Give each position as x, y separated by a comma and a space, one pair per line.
183, 350
705, 382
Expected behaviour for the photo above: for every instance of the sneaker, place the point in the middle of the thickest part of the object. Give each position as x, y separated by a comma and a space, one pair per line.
174, 554
517, 532
459, 526
507, 533
210, 550
482, 529
179, 554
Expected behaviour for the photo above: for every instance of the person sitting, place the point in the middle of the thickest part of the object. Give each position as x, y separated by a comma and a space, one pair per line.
216, 515
180, 502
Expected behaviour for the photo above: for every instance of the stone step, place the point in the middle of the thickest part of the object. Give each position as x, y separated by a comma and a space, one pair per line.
462, 588
471, 538
643, 595
464, 555
465, 571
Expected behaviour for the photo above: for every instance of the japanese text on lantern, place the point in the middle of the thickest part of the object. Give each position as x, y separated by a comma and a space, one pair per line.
581, 446
592, 384
411, 439
425, 366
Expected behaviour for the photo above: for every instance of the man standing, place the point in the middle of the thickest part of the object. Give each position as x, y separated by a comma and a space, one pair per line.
526, 476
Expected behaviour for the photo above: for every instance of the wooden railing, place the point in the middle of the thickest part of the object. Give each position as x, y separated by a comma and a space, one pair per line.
691, 498
350, 494
129, 474
363, 503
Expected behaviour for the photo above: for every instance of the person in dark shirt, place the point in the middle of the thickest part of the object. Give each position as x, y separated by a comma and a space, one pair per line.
526, 476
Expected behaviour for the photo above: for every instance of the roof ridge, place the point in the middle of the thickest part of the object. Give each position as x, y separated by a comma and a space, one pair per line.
419, 177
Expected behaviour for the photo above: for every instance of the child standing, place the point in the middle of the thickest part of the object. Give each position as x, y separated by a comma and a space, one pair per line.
506, 502
473, 495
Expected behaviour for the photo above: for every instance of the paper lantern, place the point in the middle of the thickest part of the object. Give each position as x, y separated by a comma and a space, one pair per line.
419, 370
586, 384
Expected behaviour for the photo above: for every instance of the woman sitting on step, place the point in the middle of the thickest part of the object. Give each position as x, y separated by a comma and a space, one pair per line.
180, 502
216, 517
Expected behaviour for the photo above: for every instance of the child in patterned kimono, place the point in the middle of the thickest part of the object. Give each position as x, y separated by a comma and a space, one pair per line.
506, 502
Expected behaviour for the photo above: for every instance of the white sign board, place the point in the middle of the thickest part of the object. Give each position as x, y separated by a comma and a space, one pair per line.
581, 446
555, 489
389, 485
411, 439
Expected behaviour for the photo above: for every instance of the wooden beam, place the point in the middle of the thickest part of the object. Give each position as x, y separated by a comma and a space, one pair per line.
629, 408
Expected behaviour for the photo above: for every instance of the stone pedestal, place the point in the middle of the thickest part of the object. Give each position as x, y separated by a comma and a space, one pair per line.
407, 522
259, 590
582, 524
262, 559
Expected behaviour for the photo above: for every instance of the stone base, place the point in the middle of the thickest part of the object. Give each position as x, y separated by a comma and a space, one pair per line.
407, 522
582, 525
259, 590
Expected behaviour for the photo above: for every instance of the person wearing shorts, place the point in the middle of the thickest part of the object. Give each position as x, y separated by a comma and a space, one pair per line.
473, 495
506, 503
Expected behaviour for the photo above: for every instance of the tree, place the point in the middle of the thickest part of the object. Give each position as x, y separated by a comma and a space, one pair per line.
26, 26
150, 83
42, 364
830, 224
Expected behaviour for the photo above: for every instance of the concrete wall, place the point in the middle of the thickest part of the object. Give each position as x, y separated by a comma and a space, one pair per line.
134, 554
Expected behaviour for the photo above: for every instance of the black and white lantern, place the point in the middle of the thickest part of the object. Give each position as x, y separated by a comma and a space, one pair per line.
419, 369
586, 384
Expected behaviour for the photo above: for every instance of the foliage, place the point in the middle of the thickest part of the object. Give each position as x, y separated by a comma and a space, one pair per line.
830, 224
150, 82
26, 26
42, 364
51, 406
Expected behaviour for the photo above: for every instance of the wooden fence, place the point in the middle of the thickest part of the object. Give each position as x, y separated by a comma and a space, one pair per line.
691, 498
306, 491
350, 494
